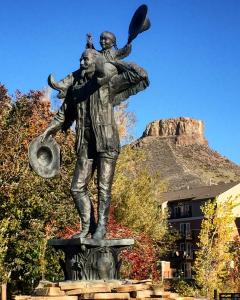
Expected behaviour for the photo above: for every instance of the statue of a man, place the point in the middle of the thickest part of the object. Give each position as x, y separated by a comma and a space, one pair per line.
90, 95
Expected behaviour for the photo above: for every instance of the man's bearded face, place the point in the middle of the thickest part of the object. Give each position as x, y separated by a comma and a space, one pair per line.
87, 62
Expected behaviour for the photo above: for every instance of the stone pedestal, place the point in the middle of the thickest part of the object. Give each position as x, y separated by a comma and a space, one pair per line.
89, 259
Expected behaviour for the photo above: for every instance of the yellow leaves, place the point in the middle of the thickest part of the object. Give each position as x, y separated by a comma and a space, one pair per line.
214, 240
136, 196
125, 121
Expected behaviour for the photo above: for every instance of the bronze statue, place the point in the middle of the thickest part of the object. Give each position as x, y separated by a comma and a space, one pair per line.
89, 96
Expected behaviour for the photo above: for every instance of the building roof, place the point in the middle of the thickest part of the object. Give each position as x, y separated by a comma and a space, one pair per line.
198, 193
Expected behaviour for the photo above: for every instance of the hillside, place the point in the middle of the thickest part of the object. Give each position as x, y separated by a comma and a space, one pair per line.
178, 150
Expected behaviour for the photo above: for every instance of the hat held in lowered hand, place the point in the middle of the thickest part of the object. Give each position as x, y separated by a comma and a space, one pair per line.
44, 157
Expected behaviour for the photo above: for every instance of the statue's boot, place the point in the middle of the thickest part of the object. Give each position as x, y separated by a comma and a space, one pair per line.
103, 212
83, 205
61, 86
56, 85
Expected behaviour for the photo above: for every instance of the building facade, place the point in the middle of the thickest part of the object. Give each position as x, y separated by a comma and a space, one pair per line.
185, 216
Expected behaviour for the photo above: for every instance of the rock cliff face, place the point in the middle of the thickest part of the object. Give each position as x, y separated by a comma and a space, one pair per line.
185, 131
177, 149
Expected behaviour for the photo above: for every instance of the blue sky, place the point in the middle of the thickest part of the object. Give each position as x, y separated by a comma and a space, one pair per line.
191, 52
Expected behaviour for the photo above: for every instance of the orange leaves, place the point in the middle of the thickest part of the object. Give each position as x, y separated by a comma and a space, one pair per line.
37, 207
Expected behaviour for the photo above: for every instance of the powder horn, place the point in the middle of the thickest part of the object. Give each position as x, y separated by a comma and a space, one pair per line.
139, 23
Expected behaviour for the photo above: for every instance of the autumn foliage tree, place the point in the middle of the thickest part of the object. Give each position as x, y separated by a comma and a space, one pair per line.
137, 194
214, 255
32, 209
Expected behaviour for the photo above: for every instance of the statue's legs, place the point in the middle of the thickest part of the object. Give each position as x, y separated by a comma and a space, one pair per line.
106, 163
79, 189
87, 161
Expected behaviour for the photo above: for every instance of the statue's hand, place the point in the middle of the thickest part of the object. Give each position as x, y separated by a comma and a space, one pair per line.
45, 135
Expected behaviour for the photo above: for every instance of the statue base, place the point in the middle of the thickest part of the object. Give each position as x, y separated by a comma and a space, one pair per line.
90, 259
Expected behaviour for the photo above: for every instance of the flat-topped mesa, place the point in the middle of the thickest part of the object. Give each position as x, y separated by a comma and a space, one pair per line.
182, 130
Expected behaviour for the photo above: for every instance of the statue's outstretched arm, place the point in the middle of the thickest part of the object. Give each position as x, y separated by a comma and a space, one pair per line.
56, 123
123, 52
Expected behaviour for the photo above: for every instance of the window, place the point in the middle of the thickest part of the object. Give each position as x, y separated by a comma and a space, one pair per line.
185, 229
187, 210
182, 210
189, 250
176, 212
